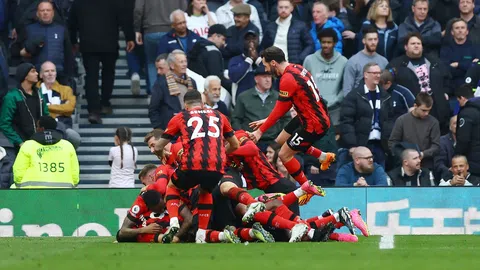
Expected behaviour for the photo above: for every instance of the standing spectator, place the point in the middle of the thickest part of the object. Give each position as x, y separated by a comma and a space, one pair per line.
46, 160
97, 23
410, 174
168, 91
200, 18
235, 33
179, 37
326, 67
7, 16
7, 158
353, 74
459, 174
225, 15
443, 10
288, 34
123, 160
468, 128
22, 107
3, 74
362, 172
466, 8
322, 20
418, 127
161, 64
380, 16
151, 20
443, 161
211, 95
402, 98
421, 73
425, 26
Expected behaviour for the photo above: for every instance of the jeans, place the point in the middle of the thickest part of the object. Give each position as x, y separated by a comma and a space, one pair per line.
136, 60
150, 42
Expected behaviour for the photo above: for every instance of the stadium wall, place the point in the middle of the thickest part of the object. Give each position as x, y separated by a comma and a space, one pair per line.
91, 212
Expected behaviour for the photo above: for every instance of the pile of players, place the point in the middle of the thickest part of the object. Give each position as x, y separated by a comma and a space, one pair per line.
199, 192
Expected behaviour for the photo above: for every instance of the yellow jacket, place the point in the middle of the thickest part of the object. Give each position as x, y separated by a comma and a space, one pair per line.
46, 161
66, 96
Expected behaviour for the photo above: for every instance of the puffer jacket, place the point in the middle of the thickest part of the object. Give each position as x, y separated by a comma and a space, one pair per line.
334, 23
387, 39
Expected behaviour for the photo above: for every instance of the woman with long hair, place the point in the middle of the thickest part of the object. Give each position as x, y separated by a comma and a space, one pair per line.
200, 18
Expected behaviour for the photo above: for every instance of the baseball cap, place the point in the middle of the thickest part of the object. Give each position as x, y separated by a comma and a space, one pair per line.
217, 29
260, 70
250, 32
242, 9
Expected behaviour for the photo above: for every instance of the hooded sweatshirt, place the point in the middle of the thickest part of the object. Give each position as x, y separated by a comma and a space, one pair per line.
328, 75
468, 134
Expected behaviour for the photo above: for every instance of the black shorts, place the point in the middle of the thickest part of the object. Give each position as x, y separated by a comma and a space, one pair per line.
300, 139
186, 180
232, 175
285, 186
223, 212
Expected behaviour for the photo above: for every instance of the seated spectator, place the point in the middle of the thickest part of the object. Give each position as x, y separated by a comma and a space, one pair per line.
380, 16
168, 91
467, 14
179, 38
288, 34
211, 95
459, 54
322, 20
443, 160
147, 174
46, 160
459, 174
270, 152
237, 32
60, 101
402, 98
418, 127
161, 64
7, 158
410, 174
257, 103
354, 72
225, 15
47, 40
419, 22
326, 67
362, 172
200, 18
22, 107
123, 160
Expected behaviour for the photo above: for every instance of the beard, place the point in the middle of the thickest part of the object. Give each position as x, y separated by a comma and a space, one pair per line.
213, 98
368, 169
371, 49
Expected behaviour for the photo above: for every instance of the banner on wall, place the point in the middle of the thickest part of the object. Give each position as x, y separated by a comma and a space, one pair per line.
90, 212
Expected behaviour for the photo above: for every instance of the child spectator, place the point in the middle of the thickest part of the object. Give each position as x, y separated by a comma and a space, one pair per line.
123, 160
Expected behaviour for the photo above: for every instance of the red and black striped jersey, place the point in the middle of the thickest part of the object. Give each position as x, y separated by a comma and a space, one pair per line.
202, 132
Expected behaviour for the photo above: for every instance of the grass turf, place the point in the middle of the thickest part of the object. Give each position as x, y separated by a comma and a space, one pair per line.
410, 252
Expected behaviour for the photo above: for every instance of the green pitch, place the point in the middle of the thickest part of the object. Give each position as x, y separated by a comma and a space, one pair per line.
96, 253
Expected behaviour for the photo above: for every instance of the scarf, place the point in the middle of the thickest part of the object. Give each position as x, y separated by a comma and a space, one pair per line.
172, 81
375, 131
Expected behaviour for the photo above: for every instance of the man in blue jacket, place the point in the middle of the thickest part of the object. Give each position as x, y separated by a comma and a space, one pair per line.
362, 171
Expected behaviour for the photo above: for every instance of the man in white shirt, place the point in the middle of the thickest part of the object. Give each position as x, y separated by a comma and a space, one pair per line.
459, 175
225, 15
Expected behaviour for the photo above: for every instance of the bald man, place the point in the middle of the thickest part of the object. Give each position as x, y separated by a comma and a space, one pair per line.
362, 171
459, 174
410, 173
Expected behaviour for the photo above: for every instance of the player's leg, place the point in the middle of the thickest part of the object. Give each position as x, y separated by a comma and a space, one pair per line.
285, 186
178, 182
225, 236
231, 186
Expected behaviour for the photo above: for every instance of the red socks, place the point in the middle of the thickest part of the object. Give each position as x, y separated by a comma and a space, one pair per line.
314, 152
284, 212
172, 201
295, 170
212, 236
205, 205
271, 219
243, 234
289, 199
240, 195
320, 222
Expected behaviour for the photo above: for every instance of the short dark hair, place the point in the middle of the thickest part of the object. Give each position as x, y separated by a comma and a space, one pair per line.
146, 169
423, 98
192, 97
369, 30
273, 53
47, 122
152, 198
156, 133
326, 33
411, 35
333, 5
465, 90
46, 1
455, 20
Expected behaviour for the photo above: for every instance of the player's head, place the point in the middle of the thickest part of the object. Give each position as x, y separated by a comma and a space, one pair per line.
464, 93
147, 174
192, 99
272, 57
46, 122
154, 201
363, 160
152, 138
422, 105
460, 165
411, 160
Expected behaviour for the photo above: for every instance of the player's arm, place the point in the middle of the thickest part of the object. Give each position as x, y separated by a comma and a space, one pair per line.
229, 135
172, 130
129, 229
187, 216
247, 148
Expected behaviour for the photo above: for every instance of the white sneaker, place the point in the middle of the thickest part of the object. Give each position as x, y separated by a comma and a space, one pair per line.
135, 81
298, 231
252, 209
200, 237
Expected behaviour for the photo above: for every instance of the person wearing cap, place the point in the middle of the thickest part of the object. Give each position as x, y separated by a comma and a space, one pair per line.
225, 15
206, 59
257, 103
22, 106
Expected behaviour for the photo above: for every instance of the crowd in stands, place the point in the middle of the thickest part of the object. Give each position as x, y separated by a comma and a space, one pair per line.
394, 75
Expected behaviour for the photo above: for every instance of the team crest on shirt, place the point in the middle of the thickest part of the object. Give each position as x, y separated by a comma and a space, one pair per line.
468, 80
461, 122
283, 93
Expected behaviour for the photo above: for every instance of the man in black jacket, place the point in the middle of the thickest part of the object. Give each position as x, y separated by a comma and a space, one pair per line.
410, 174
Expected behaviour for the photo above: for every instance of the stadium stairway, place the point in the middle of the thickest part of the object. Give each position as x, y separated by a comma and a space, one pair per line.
128, 110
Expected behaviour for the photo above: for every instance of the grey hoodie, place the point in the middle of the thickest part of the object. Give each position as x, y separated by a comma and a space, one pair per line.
328, 75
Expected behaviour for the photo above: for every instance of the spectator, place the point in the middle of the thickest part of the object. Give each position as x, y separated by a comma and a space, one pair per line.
420, 73
353, 74
211, 95
46, 40
362, 172
443, 10
402, 98
167, 95
425, 26
322, 20
410, 174
22, 107
257, 103
326, 67
200, 18
380, 16
46, 160
7, 8
270, 152
225, 15
459, 174
60, 101
241, 67
179, 37
288, 34
466, 8
366, 116
7, 158
459, 54
443, 161
161, 64
152, 18
418, 127
468, 128
3, 74
97, 23
123, 160
147, 174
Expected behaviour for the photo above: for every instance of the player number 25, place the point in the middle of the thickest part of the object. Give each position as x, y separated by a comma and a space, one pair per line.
314, 88
212, 122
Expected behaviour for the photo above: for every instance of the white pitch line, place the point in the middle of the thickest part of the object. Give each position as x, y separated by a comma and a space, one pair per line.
387, 242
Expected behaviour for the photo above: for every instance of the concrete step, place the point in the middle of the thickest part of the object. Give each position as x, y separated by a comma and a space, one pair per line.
141, 147
104, 158
88, 185
137, 132
88, 163
119, 121
124, 101
100, 153
140, 115
114, 125
135, 140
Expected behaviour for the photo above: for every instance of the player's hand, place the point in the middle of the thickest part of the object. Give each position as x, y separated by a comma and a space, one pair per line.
314, 170
256, 124
255, 136
152, 228
175, 239
144, 188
